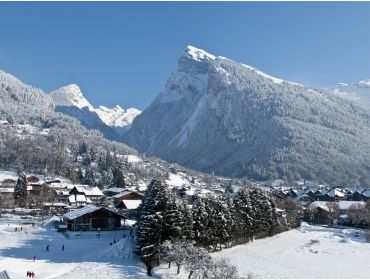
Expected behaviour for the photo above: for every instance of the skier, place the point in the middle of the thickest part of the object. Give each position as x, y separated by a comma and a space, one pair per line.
28, 274
62, 247
34, 258
33, 274
47, 248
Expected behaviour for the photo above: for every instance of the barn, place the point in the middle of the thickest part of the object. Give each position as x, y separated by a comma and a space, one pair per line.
93, 217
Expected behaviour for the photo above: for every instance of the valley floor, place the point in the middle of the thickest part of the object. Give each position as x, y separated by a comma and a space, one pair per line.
82, 258
307, 252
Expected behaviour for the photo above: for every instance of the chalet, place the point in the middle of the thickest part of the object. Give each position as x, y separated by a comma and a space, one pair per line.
320, 210
93, 194
320, 193
32, 179
8, 183
93, 218
335, 194
77, 200
129, 207
54, 207
127, 195
63, 196
113, 191
366, 195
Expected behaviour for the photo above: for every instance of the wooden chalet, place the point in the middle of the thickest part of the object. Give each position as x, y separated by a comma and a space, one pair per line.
93, 218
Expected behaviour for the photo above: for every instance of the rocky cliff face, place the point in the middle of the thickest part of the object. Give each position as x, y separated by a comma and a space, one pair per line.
217, 115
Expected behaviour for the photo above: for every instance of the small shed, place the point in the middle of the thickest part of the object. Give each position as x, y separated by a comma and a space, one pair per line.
93, 217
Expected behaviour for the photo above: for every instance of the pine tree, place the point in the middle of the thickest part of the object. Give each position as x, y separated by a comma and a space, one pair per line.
244, 215
151, 226
20, 191
80, 175
200, 222
89, 177
118, 177
106, 179
173, 220
187, 231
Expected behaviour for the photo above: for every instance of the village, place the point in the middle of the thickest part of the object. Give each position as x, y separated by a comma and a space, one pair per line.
67, 218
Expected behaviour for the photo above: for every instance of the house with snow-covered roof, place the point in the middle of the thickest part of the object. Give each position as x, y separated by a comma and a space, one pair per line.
93, 194
93, 217
334, 194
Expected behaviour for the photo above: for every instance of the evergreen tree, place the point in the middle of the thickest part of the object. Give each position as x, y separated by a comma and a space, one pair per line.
187, 231
244, 215
89, 177
200, 222
152, 214
106, 179
173, 220
20, 191
118, 177
80, 175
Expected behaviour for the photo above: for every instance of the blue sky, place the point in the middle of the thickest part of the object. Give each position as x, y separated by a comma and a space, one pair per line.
122, 53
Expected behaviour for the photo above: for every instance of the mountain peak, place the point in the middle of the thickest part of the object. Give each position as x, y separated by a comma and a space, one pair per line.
364, 83
198, 54
118, 108
70, 95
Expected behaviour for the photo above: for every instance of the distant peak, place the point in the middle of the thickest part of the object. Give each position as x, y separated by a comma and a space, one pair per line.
364, 83
118, 108
198, 54
70, 95
343, 84
73, 88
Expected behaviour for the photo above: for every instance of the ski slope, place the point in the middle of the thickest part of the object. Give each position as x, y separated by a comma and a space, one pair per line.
307, 252
88, 258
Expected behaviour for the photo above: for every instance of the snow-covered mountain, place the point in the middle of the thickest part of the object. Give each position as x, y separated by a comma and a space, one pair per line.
70, 98
217, 115
70, 95
13, 89
117, 117
359, 92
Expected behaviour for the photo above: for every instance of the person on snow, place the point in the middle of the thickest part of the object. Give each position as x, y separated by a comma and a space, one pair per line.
47, 248
34, 258
62, 247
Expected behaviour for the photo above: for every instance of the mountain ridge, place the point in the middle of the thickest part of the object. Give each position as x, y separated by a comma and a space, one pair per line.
217, 115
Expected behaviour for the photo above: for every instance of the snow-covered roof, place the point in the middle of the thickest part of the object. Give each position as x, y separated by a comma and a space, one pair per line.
131, 204
115, 190
335, 192
366, 193
80, 212
89, 191
343, 205
86, 210
119, 195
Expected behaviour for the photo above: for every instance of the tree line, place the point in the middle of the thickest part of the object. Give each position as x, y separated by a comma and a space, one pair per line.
210, 222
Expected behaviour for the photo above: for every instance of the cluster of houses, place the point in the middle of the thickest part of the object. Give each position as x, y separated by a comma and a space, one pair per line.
323, 193
320, 202
83, 207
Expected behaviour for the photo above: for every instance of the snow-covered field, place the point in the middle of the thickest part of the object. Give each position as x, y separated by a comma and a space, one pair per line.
307, 252
82, 258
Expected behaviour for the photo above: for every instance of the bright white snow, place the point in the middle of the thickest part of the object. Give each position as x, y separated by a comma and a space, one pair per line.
82, 258
307, 252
